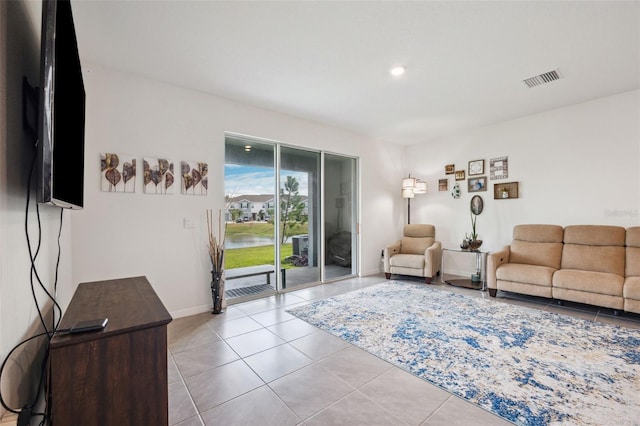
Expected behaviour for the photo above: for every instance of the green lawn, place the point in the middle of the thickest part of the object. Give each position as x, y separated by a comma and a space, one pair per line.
261, 255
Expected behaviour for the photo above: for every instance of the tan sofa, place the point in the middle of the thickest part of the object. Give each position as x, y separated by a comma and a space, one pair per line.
417, 253
593, 264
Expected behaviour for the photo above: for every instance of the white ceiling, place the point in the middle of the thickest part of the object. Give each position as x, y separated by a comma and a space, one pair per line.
328, 61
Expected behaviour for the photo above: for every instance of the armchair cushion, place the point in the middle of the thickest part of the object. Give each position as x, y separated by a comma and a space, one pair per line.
414, 245
407, 260
417, 238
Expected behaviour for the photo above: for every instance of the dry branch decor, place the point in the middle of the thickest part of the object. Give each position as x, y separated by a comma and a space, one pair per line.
216, 254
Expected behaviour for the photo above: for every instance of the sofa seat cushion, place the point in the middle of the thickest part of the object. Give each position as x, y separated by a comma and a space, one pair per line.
589, 281
528, 274
415, 261
632, 288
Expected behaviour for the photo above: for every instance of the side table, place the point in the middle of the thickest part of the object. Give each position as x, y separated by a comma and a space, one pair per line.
481, 269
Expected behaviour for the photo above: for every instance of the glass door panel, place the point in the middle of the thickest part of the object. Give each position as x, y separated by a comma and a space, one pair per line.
340, 216
299, 216
250, 182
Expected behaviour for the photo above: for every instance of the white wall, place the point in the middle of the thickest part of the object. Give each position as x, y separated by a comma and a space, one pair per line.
574, 165
19, 56
118, 235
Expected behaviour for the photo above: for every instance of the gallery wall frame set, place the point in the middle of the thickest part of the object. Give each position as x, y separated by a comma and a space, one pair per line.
118, 174
498, 168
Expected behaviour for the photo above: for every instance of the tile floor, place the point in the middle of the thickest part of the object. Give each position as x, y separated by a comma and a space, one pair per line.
255, 364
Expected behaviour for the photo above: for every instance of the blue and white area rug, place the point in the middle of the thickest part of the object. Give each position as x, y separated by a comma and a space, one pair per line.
527, 366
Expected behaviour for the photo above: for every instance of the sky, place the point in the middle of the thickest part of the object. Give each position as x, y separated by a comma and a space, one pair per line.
250, 180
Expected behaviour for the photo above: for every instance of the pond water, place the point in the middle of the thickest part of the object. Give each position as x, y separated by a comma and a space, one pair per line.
250, 240
246, 240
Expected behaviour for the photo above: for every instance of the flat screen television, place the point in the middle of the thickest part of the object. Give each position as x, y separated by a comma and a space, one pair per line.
61, 118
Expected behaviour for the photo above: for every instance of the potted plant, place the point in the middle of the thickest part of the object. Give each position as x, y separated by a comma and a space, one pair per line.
474, 241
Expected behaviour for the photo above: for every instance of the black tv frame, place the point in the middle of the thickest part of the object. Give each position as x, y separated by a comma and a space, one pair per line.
61, 116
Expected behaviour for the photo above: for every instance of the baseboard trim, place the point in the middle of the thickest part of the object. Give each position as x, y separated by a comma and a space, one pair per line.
190, 311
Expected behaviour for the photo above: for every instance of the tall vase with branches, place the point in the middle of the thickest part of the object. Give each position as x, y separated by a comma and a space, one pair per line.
216, 254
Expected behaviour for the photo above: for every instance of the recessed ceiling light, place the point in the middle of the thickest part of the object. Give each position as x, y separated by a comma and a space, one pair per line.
398, 70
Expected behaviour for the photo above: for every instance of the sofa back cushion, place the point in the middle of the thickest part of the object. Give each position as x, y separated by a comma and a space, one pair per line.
597, 248
632, 265
537, 245
417, 238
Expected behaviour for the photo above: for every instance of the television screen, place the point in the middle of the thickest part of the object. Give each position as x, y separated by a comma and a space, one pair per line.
62, 110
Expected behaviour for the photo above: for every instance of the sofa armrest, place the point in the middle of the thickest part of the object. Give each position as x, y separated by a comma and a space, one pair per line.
433, 259
390, 251
493, 261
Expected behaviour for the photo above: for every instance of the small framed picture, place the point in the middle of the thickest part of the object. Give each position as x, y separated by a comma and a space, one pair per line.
477, 184
449, 169
443, 184
476, 167
459, 174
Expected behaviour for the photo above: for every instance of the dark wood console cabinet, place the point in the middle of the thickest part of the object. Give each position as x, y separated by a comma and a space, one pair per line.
116, 376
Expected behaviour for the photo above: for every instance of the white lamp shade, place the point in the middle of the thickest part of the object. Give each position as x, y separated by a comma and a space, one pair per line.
421, 187
407, 193
408, 183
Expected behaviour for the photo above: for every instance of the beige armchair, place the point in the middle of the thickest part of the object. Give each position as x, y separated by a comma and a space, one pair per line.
417, 254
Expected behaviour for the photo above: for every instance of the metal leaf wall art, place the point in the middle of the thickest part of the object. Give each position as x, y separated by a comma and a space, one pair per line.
158, 175
117, 172
194, 177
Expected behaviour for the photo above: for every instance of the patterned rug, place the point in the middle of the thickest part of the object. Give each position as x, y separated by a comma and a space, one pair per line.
527, 366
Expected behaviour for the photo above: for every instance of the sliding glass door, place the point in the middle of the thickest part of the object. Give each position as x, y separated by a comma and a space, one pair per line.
250, 192
340, 216
299, 216
290, 218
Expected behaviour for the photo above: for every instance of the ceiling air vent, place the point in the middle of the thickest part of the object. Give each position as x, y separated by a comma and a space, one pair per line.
545, 78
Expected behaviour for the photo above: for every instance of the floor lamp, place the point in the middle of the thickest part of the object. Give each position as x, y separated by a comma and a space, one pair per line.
410, 187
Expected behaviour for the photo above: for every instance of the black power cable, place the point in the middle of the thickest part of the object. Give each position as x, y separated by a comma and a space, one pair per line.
32, 257
27, 412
